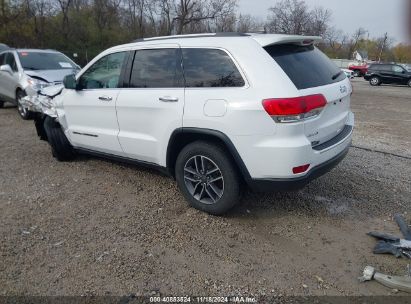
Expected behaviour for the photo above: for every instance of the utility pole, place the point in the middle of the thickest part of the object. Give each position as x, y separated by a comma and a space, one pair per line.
383, 46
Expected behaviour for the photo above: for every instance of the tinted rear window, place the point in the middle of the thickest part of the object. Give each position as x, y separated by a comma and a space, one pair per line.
306, 66
210, 68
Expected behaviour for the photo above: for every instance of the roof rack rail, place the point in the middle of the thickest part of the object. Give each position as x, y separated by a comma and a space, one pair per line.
204, 35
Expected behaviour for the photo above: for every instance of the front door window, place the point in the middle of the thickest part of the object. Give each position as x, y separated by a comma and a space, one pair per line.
104, 74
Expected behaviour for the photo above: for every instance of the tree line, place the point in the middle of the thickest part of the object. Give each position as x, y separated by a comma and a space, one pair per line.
86, 27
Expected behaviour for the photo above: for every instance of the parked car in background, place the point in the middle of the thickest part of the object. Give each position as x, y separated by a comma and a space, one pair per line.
26, 71
348, 73
359, 69
3, 47
200, 108
389, 73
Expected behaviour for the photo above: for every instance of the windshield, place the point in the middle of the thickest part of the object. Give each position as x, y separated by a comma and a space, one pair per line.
45, 61
306, 66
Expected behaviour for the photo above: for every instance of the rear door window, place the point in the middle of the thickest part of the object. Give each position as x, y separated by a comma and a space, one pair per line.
210, 68
306, 66
157, 68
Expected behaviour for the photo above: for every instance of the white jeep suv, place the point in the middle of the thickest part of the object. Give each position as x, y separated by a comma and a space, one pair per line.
215, 111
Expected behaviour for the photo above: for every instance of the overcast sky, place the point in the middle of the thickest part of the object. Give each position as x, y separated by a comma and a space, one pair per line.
377, 16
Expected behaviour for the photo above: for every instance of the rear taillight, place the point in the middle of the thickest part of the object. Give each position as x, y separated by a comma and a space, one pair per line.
294, 109
301, 169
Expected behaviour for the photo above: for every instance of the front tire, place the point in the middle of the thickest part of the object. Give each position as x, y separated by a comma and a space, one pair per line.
60, 146
409, 84
375, 81
1, 104
23, 112
207, 177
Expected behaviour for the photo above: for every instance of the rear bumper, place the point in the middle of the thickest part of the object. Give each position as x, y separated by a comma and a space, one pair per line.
267, 185
270, 160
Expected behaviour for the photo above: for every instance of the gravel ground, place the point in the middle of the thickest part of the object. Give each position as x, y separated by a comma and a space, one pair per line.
93, 227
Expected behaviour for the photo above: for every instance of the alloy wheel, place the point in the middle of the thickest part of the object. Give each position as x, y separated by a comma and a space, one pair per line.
22, 110
374, 81
203, 179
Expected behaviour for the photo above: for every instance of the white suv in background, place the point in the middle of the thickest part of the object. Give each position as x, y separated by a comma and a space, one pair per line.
213, 110
26, 71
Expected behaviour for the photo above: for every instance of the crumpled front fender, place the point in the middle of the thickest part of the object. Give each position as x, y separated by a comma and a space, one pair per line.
45, 101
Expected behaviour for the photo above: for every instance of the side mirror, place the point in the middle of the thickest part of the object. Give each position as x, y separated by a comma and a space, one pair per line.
6, 68
70, 82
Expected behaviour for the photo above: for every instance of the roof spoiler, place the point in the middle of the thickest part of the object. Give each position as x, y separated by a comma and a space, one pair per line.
267, 40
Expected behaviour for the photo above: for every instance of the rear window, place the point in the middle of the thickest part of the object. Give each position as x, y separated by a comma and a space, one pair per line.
306, 66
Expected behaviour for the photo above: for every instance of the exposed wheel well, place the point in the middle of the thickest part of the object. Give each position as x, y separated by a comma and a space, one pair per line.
39, 124
183, 137
17, 90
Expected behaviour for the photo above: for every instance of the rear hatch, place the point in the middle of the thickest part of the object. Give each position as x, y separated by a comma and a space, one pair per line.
312, 72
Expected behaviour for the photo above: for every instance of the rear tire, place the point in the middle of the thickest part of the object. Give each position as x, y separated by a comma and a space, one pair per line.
60, 146
375, 81
24, 112
207, 177
409, 84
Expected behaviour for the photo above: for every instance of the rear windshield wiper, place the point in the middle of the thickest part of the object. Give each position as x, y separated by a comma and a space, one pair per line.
337, 75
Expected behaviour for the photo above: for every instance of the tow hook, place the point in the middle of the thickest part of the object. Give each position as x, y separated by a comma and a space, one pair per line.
402, 283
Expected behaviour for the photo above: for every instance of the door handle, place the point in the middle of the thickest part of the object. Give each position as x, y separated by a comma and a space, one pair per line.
168, 99
105, 98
